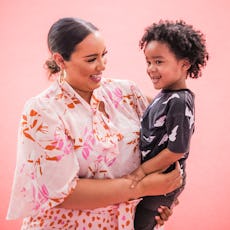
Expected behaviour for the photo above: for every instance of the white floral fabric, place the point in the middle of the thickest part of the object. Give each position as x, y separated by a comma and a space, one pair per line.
62, 138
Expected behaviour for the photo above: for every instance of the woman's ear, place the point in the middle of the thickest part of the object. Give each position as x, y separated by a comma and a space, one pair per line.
59, 60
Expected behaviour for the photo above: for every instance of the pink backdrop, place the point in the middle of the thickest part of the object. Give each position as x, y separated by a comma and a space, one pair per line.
23, 27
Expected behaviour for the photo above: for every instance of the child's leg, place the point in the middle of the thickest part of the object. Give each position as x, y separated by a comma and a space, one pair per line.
147, 209
144, 218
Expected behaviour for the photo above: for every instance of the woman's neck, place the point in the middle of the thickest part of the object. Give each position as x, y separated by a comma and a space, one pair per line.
85, 95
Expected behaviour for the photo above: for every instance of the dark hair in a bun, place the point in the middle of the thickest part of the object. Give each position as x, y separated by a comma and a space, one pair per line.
63, 37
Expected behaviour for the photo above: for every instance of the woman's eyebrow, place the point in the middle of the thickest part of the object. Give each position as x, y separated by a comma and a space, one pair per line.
90, 55
93, 55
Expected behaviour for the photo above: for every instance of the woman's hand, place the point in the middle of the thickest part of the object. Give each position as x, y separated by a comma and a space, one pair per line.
96, 193
136, 176
165, 213
159, 183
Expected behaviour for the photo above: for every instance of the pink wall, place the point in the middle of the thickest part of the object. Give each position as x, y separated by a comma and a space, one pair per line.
24, 25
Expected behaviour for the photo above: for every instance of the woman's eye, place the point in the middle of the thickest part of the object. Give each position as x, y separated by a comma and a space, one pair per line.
91, 60
104, 53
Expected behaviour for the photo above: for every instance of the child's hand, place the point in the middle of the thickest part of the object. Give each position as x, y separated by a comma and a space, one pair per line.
136, 176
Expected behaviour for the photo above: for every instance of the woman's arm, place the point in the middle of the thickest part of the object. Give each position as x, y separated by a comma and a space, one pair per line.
96, 193
158, 163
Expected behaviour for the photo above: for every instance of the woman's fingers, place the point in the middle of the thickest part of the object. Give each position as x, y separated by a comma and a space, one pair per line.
177, 178
161, 183
174, 178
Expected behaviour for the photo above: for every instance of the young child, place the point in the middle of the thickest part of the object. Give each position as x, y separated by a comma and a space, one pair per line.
173, 51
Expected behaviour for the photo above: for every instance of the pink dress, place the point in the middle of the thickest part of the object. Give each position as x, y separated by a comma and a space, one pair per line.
63, 138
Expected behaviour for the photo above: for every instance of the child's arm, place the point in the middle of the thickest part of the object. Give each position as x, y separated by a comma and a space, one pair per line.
161, 161
158, 163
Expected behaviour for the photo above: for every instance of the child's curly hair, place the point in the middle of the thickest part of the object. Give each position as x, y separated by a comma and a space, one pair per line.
182, 39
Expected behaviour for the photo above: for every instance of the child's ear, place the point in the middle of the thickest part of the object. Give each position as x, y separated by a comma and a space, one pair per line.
186, 64
59, 60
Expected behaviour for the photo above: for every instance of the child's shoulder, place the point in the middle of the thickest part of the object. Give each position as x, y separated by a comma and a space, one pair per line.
177, 97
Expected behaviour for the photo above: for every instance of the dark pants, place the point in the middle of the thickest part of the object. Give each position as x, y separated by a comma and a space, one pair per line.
147, 209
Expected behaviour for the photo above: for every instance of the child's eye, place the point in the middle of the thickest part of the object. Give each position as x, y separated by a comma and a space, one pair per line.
148, 63
158, 62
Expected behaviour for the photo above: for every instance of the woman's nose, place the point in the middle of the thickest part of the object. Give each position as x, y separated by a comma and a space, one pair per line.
101, 64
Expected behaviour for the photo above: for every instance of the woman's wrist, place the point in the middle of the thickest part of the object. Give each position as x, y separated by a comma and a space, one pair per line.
133, 192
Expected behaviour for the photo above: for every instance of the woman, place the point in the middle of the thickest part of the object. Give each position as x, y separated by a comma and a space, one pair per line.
79, 139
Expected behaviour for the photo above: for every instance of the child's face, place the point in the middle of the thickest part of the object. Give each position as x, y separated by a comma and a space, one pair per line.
164, 69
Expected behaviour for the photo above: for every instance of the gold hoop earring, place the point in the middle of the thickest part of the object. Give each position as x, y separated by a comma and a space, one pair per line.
62, 75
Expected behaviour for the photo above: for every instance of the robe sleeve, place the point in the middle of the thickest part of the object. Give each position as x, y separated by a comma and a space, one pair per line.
46, 168
139, 100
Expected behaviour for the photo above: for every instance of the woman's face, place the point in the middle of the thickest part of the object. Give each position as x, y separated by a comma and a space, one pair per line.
86, 64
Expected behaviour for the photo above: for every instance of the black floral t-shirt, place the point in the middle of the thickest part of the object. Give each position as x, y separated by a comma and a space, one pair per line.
168, 122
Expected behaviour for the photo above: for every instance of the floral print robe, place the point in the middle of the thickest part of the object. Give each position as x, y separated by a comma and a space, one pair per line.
62, 138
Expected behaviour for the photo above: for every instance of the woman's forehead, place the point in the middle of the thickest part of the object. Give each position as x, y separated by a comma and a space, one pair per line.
94, 42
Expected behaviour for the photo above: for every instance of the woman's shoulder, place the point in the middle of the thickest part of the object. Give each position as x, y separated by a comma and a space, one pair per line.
122, 84
44, 99
117, 81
